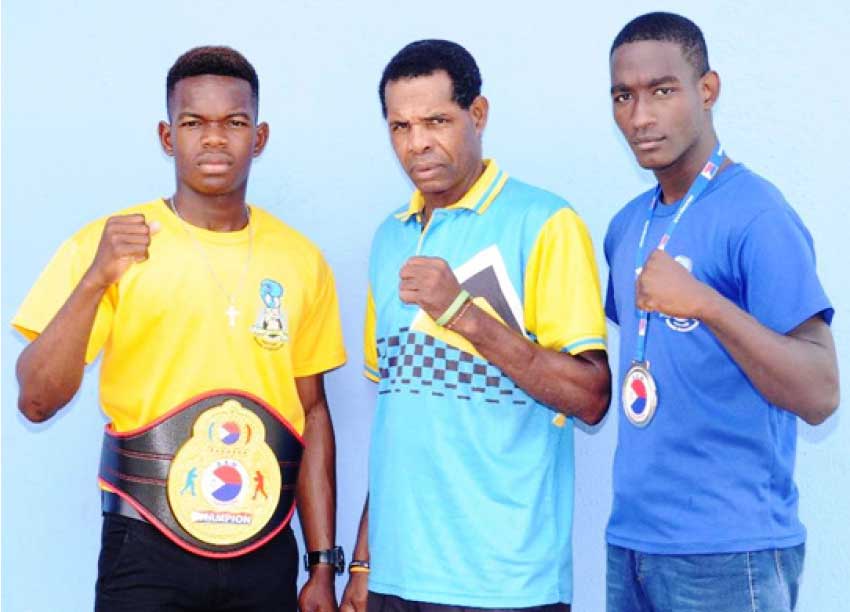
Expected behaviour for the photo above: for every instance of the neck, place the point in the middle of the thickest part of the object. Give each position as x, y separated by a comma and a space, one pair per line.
453, 195
220, 213
677, 178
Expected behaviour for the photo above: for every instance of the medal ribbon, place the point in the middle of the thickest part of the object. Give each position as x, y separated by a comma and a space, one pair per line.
696, 189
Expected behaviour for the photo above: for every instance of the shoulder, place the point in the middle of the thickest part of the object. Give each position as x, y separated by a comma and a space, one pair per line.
392, 222
750, 200
271, 227
749, 193
88, 236
283, 243
390, 230
623, 218
533, 210
523, 198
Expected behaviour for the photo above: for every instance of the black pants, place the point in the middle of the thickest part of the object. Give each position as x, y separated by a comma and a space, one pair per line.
391, 603
140, 570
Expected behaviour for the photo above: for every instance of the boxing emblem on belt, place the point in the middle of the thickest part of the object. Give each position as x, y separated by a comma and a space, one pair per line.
224, 482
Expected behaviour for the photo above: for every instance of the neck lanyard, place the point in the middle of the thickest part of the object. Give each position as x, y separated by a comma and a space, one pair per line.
696, 189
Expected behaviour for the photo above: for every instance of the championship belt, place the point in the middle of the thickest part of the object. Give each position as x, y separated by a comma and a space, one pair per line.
216, 475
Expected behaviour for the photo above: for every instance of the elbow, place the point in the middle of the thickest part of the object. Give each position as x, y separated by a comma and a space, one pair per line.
599, 397
598, 409
34, 411
827, 403
40, 396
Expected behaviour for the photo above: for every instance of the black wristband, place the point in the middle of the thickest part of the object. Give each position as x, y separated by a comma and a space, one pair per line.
333, 556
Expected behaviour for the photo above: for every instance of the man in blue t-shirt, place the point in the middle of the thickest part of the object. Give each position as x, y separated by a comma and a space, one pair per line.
725, 341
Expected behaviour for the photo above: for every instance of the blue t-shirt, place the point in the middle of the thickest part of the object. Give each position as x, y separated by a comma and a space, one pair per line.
713, 470
471, 479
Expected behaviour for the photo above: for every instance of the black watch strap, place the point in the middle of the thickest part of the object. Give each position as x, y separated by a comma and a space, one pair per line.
332, 556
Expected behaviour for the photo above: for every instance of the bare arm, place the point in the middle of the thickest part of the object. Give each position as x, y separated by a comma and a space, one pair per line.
50, 368
316, 492
357, 590
576, 385
797, 371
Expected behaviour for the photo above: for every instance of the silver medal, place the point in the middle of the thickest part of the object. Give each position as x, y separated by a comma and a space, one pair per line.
639, 395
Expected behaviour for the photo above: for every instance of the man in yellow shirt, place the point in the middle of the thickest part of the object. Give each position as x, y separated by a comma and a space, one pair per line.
216, 322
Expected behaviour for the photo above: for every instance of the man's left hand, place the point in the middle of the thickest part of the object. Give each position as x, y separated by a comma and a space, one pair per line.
428, 282
318, 594
667, 287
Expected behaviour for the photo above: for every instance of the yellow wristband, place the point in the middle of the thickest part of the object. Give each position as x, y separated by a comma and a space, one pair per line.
358, 567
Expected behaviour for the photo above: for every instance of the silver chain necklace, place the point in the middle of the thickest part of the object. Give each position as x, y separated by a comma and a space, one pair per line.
232, 312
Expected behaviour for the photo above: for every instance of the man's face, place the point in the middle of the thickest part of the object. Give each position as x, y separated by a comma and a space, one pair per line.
213, 135
437, 142
660, 103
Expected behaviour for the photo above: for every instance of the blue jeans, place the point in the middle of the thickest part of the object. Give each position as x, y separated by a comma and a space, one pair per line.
760, 581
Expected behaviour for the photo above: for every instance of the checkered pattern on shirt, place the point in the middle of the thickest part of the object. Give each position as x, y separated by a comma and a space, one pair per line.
416, 363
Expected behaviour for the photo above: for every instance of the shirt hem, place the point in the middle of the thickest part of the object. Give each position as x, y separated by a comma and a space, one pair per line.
707, 548
465, 599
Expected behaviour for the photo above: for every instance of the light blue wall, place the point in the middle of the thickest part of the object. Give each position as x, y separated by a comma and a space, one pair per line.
82, 92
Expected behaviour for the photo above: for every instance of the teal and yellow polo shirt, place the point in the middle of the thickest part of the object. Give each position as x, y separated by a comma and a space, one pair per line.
471, 479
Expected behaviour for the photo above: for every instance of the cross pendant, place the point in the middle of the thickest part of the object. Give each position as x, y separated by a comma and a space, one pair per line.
232, 313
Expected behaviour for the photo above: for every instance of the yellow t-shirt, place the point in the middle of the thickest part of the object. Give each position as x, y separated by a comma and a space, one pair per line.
165, 330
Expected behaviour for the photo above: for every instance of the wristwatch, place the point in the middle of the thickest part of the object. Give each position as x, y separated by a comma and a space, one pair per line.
332, 556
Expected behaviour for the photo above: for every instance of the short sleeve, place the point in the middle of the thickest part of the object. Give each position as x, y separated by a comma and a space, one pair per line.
610, 303
53, 288
370, 349
610, 300
318, 345
563, 307
776, 269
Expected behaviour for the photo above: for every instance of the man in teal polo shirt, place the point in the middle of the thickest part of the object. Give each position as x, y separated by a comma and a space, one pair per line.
485, 334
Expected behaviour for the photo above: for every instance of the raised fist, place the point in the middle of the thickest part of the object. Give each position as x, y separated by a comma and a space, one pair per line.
125, 241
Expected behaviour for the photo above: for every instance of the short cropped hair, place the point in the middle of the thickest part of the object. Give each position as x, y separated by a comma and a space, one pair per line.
425, 57
221, 61
667, 27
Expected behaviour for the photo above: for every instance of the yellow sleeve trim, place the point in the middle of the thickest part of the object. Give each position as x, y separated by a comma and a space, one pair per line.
591, 343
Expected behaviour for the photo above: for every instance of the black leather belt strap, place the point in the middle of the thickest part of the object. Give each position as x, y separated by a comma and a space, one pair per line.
110, 502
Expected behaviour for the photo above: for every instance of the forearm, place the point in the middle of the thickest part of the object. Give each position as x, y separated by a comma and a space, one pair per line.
573, 385
316, 488
361, 547
50, 368
797, 371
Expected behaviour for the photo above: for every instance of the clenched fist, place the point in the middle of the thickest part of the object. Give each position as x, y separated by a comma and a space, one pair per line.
125, 241
428, 282
356, 594
668, 287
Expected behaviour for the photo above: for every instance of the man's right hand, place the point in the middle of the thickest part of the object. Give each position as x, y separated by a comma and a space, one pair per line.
125, 241
356, 593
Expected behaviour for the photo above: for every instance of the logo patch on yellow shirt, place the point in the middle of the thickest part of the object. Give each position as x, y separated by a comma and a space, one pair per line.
271, 329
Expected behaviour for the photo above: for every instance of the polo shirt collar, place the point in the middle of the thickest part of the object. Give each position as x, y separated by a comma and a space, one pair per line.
478, 198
